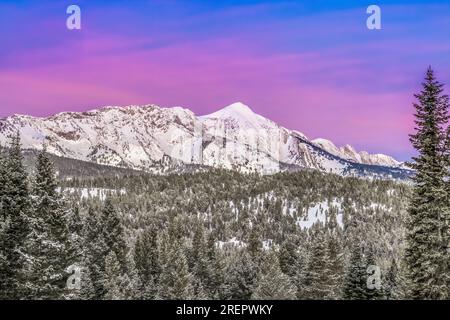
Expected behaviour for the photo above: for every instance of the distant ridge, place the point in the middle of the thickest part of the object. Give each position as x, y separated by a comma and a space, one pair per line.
154, 139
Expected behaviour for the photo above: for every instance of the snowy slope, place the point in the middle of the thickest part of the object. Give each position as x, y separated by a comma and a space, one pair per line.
152, 138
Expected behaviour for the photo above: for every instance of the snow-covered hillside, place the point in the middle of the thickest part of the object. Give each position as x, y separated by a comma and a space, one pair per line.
150, 138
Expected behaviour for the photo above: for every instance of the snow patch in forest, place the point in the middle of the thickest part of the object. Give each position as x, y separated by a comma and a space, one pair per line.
233, 242
89, 193
391, 192
319, 212
267, 244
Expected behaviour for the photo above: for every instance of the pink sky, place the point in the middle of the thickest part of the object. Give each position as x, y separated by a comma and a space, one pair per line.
326, 79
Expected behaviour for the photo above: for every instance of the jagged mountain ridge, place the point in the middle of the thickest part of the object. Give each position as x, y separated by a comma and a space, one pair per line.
153, 139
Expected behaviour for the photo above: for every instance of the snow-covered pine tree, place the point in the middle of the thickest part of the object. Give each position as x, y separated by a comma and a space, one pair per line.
132, 284
87, 290
427, 225
75, 225
240, 276
95, 253
103, 233
77, 252
198, 250
288, 255
215, 283
301, 268
254, 242
390, 282
272, 283
318, 281
146, 260
16, 209
446, 154
175, 281
49, 243
114, 282
336, 264
119, 285
402, 281
202, 268
354, 286
113, 233
114, 238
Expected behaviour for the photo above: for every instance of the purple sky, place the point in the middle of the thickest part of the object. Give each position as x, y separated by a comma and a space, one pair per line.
312, 66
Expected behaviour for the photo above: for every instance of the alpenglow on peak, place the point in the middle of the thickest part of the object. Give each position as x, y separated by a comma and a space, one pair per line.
237, 109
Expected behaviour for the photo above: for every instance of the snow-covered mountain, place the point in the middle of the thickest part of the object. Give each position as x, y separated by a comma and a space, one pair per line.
349, 153
156, 139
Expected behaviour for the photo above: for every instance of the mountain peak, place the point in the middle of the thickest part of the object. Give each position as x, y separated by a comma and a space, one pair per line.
238, 107
237, 110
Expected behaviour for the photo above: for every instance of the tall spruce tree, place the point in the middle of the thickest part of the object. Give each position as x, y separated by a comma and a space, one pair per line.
288, 255
16, 209
446, 154
175, 282
355, 283
272, 283
301, 270
132, 283
103, 233
336, 265
240, 276
202, 268
254, 242
95, 253
147, 262
75, 227
428, 221
87, 290
215, 282
113, 233
390, 282
49, 242
318, 281
115, 284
